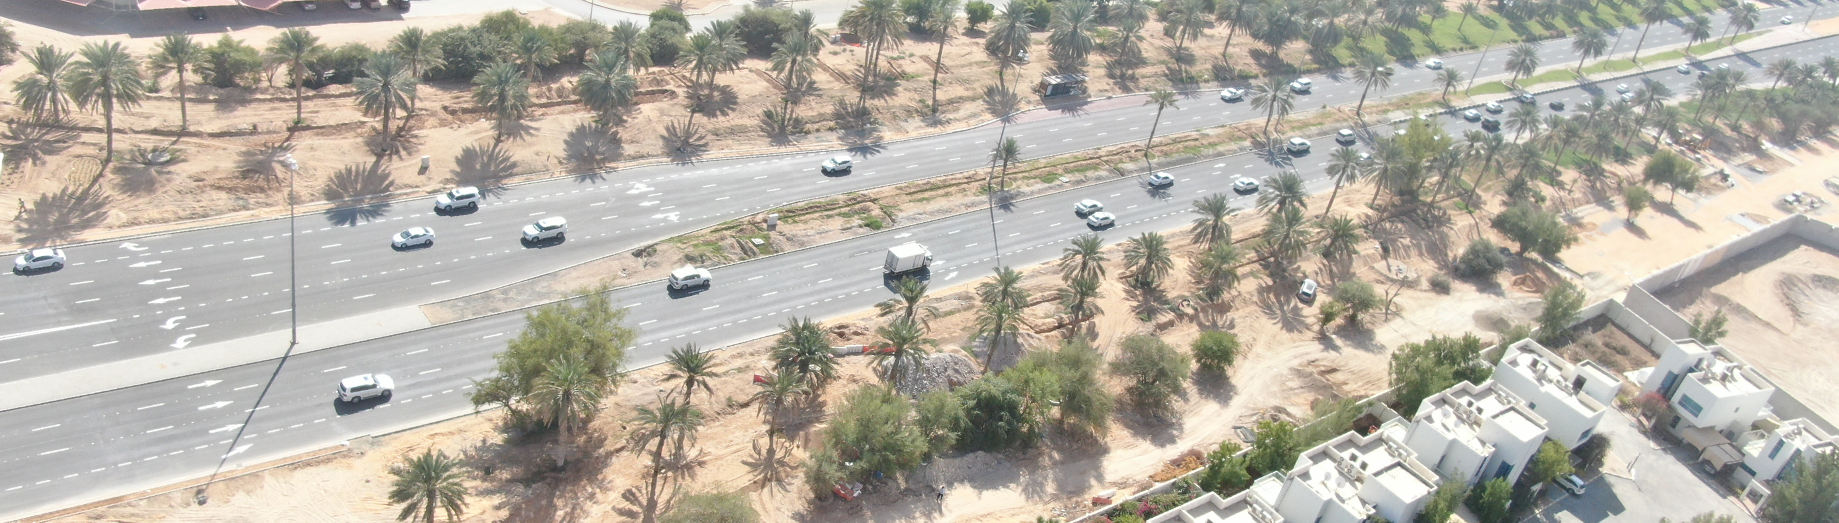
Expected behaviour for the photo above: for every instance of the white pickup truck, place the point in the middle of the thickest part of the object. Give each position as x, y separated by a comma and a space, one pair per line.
907, 257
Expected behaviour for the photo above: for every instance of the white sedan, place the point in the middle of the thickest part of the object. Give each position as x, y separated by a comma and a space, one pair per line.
1087, 206
1433, 64
1302, 85
1245, 185
412, 237
1100, 219
1621, 88
1232, 94
39, 259
1161, 179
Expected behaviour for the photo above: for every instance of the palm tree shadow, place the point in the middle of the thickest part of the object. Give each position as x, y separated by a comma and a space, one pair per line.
1000, 102
592, 146
513, 130
684, 141
714, 101
772, 468
61, 216
1146, 303
1672, 211
263, 163
483, 166
362, 192
1279, 306
855, 124
37, 141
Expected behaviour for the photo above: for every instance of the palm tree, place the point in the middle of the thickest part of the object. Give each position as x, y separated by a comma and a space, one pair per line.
1005, 152
1162, 99
426, 482
532, 53
628, 40
993, 320
176, 53
606, 85
1285, 191
1743, 19
1340, 237
1469, 8
1523, 118
1272, 96
794, 59
1077, 298
1652, 96
941, 23
1345, 167
909, 295
1698, 29
1590, 42
905, 345
693, 367
1186, 20
1781, 70
1652, 12
1071, 39
1211, 228
1084, 259
1008, 39
880, 23
1148, 259
803, 350
46, 92
1370, 73
386, 85
105, 77
1004, 286
1286, 235
414, 47
775, 391
1523, 60
1448, 79
1829, 69
1232, 13
293, 47
503, 92
669, 421
1215, 271
567, 392
710, 53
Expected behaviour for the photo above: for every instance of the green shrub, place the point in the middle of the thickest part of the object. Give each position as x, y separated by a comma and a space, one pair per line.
1481, 260
1440, 283
1215, 350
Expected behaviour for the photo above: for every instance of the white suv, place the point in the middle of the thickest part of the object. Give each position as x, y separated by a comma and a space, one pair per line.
462, 197
837, 164
1298, 145
690, 276
359, 388
39, 259
1302, 85
553, 227
1087, 206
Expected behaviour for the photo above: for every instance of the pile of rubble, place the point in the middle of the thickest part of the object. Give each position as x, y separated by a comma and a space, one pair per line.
939, 371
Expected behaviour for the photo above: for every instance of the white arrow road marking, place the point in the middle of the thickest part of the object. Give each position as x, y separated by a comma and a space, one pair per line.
132, 247
903, 235
162, 301
174, 322
650, 203
239, 450
668, 216
217, 405
205, 383
640, 188
145, 264
151, 282
226, 427
183, 341
953, 274
4, 337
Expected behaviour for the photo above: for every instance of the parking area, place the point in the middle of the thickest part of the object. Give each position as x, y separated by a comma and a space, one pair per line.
1662, 483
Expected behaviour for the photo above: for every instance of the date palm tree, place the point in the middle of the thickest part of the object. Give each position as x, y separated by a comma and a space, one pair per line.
1084, 259
775, 391
1448, 79
1005, 285
1470, 8
1272, 96
422, 54
1187, 20
908, 301
1370, 72
1008, 39
1232, 14
46, 92
711, 53
942, 21
1215, 271
176, 53
1743, 18
1340, 237
1211, 227
880, 24
669, 421
428, 482
386, 85
692, 367
1162, 99
905, 348
1780, 70
606, 85
1077, 299
1346, 168
1523, 60
1286, 236
292, 48
1071, 40
531, 52
1148, 259
568, 393
1589, 43
1652, 12
1284, 191
994, 319
106, 77
803, 350
1005, 152
1523, 118
627, 38
1697, 29
1829, 69
503, 92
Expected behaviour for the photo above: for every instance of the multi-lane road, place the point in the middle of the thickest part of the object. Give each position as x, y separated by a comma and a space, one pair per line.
105, 444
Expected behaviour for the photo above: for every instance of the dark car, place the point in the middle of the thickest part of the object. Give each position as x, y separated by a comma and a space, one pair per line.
400, 5
1556, 105
1491, 124
196, 12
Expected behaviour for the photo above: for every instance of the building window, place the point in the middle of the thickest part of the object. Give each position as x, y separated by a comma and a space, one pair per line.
1506, 468
1581, 438
1746, 468
1692, 407
1778, 448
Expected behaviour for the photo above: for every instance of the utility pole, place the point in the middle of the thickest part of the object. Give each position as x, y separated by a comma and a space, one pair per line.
1484, 56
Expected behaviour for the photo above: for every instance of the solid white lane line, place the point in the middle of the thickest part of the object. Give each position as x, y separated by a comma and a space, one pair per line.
427, 371
51, 426
256, 257
338, 368
440, 282
83, 282
261, 274
330, 246
151, 406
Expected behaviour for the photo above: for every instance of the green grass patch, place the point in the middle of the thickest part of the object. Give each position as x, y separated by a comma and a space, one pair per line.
1453, 33
1487, 89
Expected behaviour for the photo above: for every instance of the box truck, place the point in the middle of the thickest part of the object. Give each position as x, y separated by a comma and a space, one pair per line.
907, 257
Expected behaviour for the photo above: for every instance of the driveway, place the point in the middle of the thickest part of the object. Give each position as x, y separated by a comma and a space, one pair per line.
1664, 484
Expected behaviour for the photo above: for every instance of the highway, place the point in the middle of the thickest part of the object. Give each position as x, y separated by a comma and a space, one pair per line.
92, 447
127, 299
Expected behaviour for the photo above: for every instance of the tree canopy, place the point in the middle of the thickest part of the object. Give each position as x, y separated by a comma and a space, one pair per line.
1421, 369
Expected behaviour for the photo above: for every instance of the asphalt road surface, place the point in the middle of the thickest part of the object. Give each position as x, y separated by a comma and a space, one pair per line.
127, 299
92, 447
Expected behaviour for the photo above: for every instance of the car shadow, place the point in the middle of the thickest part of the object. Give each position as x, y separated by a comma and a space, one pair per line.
891, 281
456, 211
542, 244
410, 248
678, 294
346, 409
34, 272
838, 173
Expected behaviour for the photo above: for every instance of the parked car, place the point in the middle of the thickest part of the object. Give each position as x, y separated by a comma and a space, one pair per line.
1345, 137
1433, 64
412, 237
837, 164
1100, 219
689, 276
1298, 145
354, 4
459, 197
553, 227
1245, 185
400, 5
1087, 206
1306, 292
366, 386
1302, 85
1232, 94
1570, 483
38, 260
1161, 179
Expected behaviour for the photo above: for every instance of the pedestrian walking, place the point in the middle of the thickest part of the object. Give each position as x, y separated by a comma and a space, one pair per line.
941, 494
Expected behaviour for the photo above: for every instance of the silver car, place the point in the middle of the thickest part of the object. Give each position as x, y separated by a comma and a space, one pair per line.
1232, 94
1087, 206
38, 260
553, 227
1100, 219
412, 237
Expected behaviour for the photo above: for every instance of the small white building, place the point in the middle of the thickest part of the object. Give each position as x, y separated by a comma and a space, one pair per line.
1776, 447
1476, 432
1571, 398
1243, 507
1353, 477
1707, 389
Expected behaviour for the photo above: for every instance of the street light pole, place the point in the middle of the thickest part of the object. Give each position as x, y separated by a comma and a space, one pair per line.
1484, 56
990, 190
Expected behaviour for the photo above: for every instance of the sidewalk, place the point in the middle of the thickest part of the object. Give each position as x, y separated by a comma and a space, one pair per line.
205, 358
